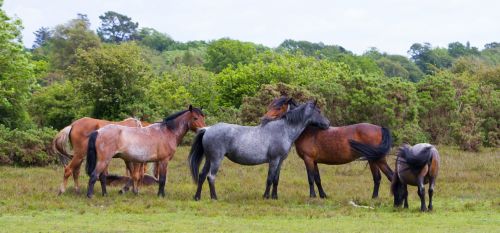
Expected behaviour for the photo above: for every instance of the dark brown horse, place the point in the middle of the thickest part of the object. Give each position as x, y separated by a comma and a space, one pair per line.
155, 143
338, 145
417, 165
78, 134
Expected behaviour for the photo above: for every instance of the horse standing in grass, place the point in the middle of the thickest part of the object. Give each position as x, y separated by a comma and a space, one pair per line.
155, 143
338, 145
417, 165
78, 134
251, 145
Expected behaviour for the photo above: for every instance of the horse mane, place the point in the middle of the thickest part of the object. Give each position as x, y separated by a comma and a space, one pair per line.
296, 115
169, 121
276, 104
415, 161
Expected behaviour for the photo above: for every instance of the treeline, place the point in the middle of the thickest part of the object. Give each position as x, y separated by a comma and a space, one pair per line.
441, 95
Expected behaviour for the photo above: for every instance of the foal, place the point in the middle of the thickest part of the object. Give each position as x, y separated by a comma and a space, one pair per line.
417, 165
156, 142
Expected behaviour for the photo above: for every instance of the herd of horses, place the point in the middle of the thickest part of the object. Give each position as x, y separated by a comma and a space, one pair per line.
284, 124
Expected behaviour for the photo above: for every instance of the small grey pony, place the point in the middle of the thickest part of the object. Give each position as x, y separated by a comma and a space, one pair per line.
269, 142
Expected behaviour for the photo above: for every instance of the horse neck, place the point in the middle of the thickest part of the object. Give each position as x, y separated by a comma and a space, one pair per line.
293, 131
181, 128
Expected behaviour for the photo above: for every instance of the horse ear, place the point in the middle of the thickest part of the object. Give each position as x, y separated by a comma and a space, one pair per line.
190, 108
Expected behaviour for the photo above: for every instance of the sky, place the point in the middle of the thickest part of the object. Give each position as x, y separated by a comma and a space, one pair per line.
390, 25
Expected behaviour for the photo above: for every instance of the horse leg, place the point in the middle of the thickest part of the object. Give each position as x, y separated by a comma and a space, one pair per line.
432, 181
136, 177
317, 178
214, 168
201, 179
101, 165
421, 192
310, 177
276, 180
102, 180
162, 177
129, 168
68, 171
376, 178
273, 167
385, 168
405, 195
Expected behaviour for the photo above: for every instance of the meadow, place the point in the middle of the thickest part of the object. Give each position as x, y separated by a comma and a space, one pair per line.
467, 199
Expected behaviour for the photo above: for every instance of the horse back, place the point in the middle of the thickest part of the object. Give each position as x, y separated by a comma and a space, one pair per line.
331, 146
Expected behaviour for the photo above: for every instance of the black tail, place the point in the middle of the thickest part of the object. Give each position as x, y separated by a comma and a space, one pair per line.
196, 155
371, 153
91, 154
418, 161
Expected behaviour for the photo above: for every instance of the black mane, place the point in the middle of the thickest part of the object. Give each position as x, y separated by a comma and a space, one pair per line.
296, 115
169, 121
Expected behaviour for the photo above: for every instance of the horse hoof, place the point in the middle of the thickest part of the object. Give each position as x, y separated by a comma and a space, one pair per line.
322, 196
121, 192
196, 198
274, 197
105, 194
312, 195
89, 196
60, 192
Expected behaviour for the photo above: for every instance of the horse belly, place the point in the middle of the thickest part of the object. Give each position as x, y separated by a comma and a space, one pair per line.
138, 154
247, 158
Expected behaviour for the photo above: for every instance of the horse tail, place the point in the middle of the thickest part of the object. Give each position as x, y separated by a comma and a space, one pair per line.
61, 145
91, 154
196, 155
372, 153
416, 161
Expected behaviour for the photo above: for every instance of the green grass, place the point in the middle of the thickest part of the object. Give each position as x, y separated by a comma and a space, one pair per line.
467, 199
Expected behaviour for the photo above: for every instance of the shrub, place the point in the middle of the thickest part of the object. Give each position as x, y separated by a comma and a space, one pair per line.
26, 147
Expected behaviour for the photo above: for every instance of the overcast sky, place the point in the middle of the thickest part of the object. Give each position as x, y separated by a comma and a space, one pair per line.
390, 25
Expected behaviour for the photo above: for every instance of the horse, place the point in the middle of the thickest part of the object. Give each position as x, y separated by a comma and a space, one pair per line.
250, 145
417, 165
154, 143
338, 145
77, 135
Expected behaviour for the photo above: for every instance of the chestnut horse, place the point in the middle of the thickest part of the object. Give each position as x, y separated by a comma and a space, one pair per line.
417, 165
137, 146
77, 134
338, 145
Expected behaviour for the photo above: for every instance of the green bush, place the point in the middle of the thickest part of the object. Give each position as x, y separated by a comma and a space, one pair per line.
26, 147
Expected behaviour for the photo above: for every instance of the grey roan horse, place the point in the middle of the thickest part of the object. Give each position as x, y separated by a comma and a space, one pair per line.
269, 142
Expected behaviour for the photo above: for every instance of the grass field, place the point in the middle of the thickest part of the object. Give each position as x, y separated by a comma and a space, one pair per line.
467, 199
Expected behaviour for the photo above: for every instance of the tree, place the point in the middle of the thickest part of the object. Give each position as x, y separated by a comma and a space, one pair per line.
42, 35
224, 52
16, 74
155, 40
112, 79
67, 39
116, 27
429, 59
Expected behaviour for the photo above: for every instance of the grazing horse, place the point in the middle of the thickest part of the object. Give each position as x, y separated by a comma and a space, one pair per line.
78, 134
250, 145
155, 143
417, 165
338, 145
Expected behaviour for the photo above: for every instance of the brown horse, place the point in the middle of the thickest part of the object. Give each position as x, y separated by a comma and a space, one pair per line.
338, 145
156, 142
417, 165
77, 134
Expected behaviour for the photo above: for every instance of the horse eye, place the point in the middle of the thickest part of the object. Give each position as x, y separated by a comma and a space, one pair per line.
196, 118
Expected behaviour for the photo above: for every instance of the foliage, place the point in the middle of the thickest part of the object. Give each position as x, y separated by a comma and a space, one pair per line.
116, 27
42, 35
226, 52
26, 147
56, 105
112, 79
67, 39
467, 130
254, 107
16, 74
155, 40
